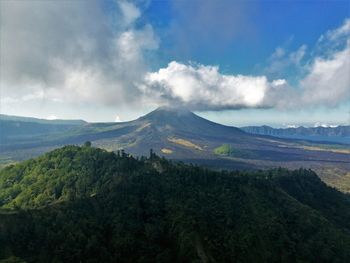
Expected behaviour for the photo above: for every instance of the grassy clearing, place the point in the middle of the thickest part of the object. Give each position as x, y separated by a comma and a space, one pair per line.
228, 150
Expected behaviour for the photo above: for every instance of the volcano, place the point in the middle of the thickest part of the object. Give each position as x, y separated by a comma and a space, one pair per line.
181, 135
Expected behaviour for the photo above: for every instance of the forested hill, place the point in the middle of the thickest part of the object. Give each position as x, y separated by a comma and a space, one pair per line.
83, 204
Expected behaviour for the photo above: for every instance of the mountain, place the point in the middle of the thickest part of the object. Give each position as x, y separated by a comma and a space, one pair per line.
340, 134
15, 130
83, 204
179, 134
4, 117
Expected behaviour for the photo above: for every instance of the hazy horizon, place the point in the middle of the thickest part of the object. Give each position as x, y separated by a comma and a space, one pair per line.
212, 116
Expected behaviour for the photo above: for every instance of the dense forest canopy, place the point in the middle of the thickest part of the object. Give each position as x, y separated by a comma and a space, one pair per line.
84, 204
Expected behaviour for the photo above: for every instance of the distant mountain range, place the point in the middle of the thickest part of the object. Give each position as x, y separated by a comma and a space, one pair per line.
179, 135
14, 129
332, 134
4, 117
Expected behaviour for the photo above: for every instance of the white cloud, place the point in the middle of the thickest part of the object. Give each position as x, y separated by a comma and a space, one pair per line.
93, 58
296, 56
130, 11
334, 35
282, 62
34, 94
279, 52
102, 61
327, 81
279, 82
51, 117
117, 119
321, 80
204, 87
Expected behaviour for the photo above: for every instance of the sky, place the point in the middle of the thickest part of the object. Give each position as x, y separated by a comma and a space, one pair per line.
279, 63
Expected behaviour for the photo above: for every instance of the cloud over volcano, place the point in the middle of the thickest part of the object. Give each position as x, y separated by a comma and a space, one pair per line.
109, 58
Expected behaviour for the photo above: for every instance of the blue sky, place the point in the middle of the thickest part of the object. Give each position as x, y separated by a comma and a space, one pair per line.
264, 26
235, 62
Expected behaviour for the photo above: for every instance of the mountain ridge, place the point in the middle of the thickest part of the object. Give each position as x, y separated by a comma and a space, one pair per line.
340, 130
40, 120
339, 134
